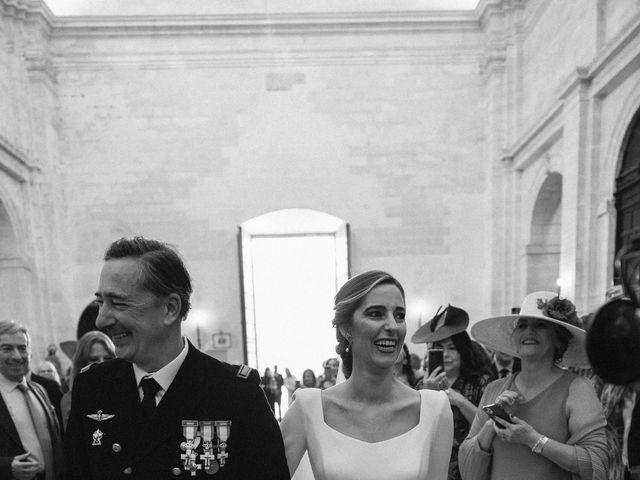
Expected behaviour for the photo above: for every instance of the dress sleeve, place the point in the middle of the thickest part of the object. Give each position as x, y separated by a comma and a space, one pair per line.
472, 460
587, 431
442, 439
293, 429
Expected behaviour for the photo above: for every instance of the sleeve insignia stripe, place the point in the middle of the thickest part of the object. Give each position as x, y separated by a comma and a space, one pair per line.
244, 372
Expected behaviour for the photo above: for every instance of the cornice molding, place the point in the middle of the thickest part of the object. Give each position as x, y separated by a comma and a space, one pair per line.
265, 58
271, 24
14, 162
579, 78
614, 61
15, 263
486, 8
542, 133
27, 8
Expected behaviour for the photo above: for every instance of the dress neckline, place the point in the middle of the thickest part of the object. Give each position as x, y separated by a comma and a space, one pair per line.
515, 387
379, 442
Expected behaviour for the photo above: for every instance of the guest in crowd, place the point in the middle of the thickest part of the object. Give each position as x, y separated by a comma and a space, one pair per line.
360, 428
290, 383
403, 369
612, 346
270, 386
617, 402
556, 426
309, 379
464, 376
93, 347
48, 370
127, 414
503, 364
330, 375
30, 436
51, 386
278, 391
52, 356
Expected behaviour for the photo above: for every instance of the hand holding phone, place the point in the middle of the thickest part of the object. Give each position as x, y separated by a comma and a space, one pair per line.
496, 410
435, 358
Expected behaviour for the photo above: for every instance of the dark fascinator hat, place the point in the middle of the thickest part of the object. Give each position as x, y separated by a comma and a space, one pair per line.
443, 325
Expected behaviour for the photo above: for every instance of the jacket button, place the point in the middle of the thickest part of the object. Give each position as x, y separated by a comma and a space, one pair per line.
116, 447
127, 471
176, 471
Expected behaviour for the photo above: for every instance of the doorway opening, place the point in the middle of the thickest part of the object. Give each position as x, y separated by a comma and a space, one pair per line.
292, 263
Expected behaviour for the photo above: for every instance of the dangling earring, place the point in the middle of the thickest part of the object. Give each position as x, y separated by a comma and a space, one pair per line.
348, 344
347, 348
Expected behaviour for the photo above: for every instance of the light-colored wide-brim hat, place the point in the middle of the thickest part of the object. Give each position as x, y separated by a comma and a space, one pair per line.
444, 324
496, 332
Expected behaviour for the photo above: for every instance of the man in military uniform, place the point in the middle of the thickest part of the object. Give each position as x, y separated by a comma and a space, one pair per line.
163, 409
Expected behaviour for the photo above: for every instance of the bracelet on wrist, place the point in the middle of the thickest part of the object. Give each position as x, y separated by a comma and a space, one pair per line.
539, 445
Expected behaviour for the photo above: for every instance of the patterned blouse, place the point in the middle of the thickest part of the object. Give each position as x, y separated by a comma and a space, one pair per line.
472, 388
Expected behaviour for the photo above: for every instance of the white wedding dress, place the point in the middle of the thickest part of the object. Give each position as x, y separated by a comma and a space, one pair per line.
421, 453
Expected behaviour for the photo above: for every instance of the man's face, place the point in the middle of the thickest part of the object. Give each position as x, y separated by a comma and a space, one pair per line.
130, 315
14, 356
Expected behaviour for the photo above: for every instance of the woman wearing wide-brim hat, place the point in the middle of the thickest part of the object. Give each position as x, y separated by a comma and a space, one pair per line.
558, 429
464, 376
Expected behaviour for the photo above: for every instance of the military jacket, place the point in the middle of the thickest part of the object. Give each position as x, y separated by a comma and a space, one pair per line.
106, 438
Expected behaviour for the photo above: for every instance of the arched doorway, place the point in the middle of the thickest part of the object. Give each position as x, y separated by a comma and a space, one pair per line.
292, 263
627, 195
12, 271
543, 251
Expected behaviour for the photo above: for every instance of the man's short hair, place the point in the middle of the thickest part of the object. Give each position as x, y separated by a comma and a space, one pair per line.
162, 270
11, 328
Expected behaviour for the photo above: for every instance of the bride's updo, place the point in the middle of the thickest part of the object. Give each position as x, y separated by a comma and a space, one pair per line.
347, 300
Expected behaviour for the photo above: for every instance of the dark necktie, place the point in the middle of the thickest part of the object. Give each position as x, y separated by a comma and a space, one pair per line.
149, 389
504, 372
41, 425
633, 442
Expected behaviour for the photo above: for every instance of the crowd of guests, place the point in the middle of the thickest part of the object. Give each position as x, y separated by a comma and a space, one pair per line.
523, 400
519, 400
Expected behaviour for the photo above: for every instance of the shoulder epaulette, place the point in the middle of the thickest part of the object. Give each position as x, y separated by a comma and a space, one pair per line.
243, 372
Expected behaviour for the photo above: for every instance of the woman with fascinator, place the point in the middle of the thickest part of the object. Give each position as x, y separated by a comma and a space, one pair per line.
554, 428
464, 375
361, 428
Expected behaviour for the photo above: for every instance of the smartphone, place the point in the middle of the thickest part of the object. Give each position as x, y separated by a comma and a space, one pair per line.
436, 358
496, 410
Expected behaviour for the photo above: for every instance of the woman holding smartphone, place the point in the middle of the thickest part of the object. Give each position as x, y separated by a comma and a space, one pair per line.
457, 366
360, 428
556, 426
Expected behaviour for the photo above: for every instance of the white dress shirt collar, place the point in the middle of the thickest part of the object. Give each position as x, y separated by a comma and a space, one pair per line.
166, 374
9, 385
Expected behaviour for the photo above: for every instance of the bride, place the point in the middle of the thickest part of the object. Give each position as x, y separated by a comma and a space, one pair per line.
371, 425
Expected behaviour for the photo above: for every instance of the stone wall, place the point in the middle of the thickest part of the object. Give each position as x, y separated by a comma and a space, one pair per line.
431, 133
185, 134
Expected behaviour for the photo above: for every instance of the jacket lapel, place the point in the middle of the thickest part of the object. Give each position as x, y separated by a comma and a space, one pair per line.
177, 404
52, 423
125, 400
6, 423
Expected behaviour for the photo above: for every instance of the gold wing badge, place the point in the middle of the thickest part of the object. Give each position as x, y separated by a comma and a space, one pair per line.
99, 416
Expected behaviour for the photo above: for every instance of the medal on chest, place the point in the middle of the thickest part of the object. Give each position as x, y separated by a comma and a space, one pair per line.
212, 436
